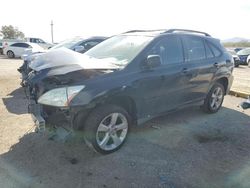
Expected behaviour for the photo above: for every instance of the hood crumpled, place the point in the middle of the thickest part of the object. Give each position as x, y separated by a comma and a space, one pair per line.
65, 57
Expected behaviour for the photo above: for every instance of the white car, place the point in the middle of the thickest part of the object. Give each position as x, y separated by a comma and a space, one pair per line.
40, 42
18, 49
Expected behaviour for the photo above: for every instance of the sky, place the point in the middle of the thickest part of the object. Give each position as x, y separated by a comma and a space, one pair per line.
222, 19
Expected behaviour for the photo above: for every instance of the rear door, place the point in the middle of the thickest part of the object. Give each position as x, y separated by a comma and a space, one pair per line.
200, 67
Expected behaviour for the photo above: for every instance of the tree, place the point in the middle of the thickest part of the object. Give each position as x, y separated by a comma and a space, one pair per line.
10, 32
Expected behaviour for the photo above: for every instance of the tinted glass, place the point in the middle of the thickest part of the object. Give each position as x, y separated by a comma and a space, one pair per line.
215, 50
70, 43
169, 49
16, 45
22, 45
120, 50
195, 48
209, 52
89, 44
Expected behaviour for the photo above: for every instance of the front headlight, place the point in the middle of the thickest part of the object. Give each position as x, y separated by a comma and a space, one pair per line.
60, 97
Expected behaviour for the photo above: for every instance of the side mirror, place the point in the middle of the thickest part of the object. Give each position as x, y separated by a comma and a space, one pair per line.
153, 61
79, 49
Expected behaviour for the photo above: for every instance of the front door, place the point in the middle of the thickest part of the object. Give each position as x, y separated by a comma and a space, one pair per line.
163, 88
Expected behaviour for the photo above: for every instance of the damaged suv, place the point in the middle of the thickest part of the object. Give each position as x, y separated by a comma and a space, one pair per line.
129, 79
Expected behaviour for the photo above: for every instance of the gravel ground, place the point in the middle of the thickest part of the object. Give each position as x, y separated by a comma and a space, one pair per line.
185, 149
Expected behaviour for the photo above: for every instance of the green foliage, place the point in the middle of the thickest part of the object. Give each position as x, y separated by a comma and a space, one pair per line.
237, 44
10, 32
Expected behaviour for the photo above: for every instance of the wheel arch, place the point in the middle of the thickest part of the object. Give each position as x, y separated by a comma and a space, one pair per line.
224, 82
123, 101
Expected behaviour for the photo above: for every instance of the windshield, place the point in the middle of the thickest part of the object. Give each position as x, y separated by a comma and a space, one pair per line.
120, 50
67, 43
232, 52
244, 52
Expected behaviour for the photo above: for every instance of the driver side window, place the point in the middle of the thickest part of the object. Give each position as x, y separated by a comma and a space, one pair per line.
169, 49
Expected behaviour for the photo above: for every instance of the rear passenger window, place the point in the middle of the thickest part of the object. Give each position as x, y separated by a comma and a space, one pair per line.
209, 51
16, 45
22, 45
195, 48
216, 52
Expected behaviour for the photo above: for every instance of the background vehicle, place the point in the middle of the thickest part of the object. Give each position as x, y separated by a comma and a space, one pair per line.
80, 44
129, 79
1, 47
248, 60
243, 54
77, 44
235, 56
237, 49
18, 49
39, 41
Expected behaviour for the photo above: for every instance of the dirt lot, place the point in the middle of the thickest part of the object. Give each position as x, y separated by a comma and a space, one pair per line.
242, 79
184, 149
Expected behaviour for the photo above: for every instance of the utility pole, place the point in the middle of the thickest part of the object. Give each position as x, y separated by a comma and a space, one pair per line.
52, 34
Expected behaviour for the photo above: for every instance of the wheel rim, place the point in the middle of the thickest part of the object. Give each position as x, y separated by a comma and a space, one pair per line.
112, 131
10, 54
216, 98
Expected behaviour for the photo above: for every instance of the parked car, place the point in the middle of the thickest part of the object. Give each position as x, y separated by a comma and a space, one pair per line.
40, 42
77, 44
237, 49
80, 44
18, 49
248, 60
235, 56
129, 79
243, 54
1, 47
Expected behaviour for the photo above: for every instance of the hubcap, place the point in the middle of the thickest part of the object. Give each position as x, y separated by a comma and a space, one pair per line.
112, 131
216, 98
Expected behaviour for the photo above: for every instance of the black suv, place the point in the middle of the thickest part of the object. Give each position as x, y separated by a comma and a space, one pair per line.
131, 78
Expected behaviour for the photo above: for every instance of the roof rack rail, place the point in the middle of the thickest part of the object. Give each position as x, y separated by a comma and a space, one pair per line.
132, 31
187, 30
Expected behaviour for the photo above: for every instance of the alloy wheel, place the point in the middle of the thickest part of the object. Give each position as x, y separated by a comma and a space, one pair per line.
216, 98
112, 131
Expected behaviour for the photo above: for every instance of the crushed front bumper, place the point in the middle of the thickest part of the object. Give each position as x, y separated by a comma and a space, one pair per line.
35, 111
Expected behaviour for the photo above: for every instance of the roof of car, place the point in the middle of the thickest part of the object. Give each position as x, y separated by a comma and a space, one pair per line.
165, 31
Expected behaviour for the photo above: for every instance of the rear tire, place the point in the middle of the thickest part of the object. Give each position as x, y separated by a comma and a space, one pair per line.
214, 98
10, 54
106, 128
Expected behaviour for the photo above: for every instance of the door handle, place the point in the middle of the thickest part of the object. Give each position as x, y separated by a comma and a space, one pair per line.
184, 71
216, 65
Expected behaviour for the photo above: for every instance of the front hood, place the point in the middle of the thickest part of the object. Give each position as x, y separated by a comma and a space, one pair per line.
63, 57
61, 75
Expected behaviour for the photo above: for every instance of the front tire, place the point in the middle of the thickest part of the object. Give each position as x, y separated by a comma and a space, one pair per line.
214, 98
106, 128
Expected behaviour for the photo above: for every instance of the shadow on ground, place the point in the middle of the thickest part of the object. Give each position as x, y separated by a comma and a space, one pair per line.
184, 149
16, 102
